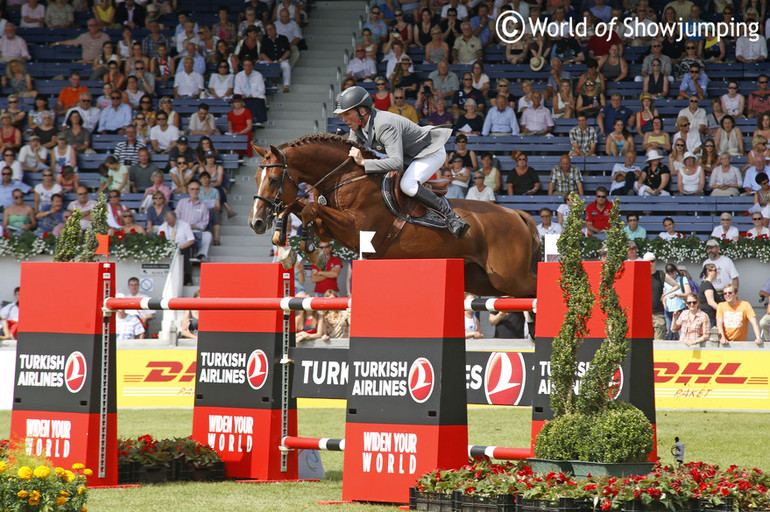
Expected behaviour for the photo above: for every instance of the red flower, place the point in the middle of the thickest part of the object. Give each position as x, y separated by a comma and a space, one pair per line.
590, 487
46, 235
132, 230
162, 234
469, 490
606, 505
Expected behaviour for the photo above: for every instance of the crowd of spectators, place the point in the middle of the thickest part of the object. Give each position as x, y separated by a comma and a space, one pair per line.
138, 52
690, 153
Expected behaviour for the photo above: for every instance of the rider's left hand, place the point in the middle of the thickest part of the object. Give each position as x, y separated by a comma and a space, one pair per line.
356, 155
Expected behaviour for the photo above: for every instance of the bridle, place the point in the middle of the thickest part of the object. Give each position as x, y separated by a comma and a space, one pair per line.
276, 206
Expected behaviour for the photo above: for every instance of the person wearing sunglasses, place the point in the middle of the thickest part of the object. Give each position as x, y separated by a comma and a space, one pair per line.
761, 207
733, 318
18, 217
115, 117
222, 82
693, 83
692, 324
759, 100
8, 185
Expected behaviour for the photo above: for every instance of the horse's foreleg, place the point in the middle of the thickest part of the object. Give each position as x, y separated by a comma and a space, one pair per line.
329, 224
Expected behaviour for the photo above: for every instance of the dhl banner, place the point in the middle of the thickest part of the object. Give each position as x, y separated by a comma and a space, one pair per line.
718, 379
156, 378
712, 379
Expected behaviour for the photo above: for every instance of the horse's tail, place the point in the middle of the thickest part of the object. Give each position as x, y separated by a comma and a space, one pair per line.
535, 235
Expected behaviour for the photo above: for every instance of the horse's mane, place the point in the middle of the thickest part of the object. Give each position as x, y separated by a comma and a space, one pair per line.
326, 139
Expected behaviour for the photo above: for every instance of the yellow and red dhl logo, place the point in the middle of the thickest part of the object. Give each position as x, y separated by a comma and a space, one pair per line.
704, 373
164, 371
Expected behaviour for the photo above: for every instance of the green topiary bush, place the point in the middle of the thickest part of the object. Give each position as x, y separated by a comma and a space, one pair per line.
563, 437
621, 434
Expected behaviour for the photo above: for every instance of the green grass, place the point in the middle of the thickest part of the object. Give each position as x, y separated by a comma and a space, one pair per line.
723, 438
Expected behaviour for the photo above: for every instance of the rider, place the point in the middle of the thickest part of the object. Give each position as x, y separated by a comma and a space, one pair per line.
401, 143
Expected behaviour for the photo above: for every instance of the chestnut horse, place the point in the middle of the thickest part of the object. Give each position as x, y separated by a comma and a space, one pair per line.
501, 249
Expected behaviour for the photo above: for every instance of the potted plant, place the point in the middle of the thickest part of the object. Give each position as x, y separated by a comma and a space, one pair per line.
588, 425
195, 461
146, 453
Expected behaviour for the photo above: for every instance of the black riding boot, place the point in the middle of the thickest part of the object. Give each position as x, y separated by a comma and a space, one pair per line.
457, 226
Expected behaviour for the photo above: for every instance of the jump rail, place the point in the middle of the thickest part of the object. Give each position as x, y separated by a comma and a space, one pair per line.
291, 304
338, 445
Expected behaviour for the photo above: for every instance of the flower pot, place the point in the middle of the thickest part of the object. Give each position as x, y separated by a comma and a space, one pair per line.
657, 506
556, 505
471, 503
582, 468
726, 506
432, 501
153, 474
128, 472
549, 465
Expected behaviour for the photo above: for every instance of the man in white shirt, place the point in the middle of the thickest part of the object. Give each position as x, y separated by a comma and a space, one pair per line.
33, 156
187, 35
547, 226
749, 51
537, 119
696, 115
163, 136
361, 67
726, 271
180, 232
250, 84
134, 293
285, 26
88, 112
188, 83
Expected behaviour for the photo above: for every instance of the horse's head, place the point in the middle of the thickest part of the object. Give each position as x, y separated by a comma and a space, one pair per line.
274, 188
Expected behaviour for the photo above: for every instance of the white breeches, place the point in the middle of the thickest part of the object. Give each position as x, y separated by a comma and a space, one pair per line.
420, 171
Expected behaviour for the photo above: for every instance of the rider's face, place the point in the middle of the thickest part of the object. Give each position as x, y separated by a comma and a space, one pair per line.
352, 119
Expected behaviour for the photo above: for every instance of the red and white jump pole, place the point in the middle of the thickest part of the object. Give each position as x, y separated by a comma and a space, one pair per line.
231, 304
291, 304
338, 445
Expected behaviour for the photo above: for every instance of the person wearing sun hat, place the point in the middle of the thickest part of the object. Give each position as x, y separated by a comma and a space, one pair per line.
655, 176
691, 177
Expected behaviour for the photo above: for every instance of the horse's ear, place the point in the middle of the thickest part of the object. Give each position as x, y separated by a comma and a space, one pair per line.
261, 152
274, 150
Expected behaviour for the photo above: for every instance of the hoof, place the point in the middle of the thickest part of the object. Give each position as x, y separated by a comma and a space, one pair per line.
321, 260
287, 256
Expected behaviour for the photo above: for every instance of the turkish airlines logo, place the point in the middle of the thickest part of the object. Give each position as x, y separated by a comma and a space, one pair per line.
616, 384
256, 369
75, 372
421, 380
504, 378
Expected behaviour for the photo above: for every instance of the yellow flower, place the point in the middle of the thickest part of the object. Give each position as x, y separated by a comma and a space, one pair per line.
68, 476
34, 501
81, 489
78, 465
64, 493
59, 471
22, 494
61, 500
88, 472
42, 472
35, 494
83, 509
3, 466
25, 472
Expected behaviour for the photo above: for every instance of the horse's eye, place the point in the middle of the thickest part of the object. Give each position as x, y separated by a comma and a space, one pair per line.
274, 181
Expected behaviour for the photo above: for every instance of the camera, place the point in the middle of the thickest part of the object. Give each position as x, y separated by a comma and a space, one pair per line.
426, 90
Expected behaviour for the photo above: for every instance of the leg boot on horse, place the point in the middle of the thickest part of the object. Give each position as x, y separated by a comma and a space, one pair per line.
457, 226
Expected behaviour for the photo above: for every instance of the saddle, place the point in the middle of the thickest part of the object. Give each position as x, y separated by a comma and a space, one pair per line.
408, 208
